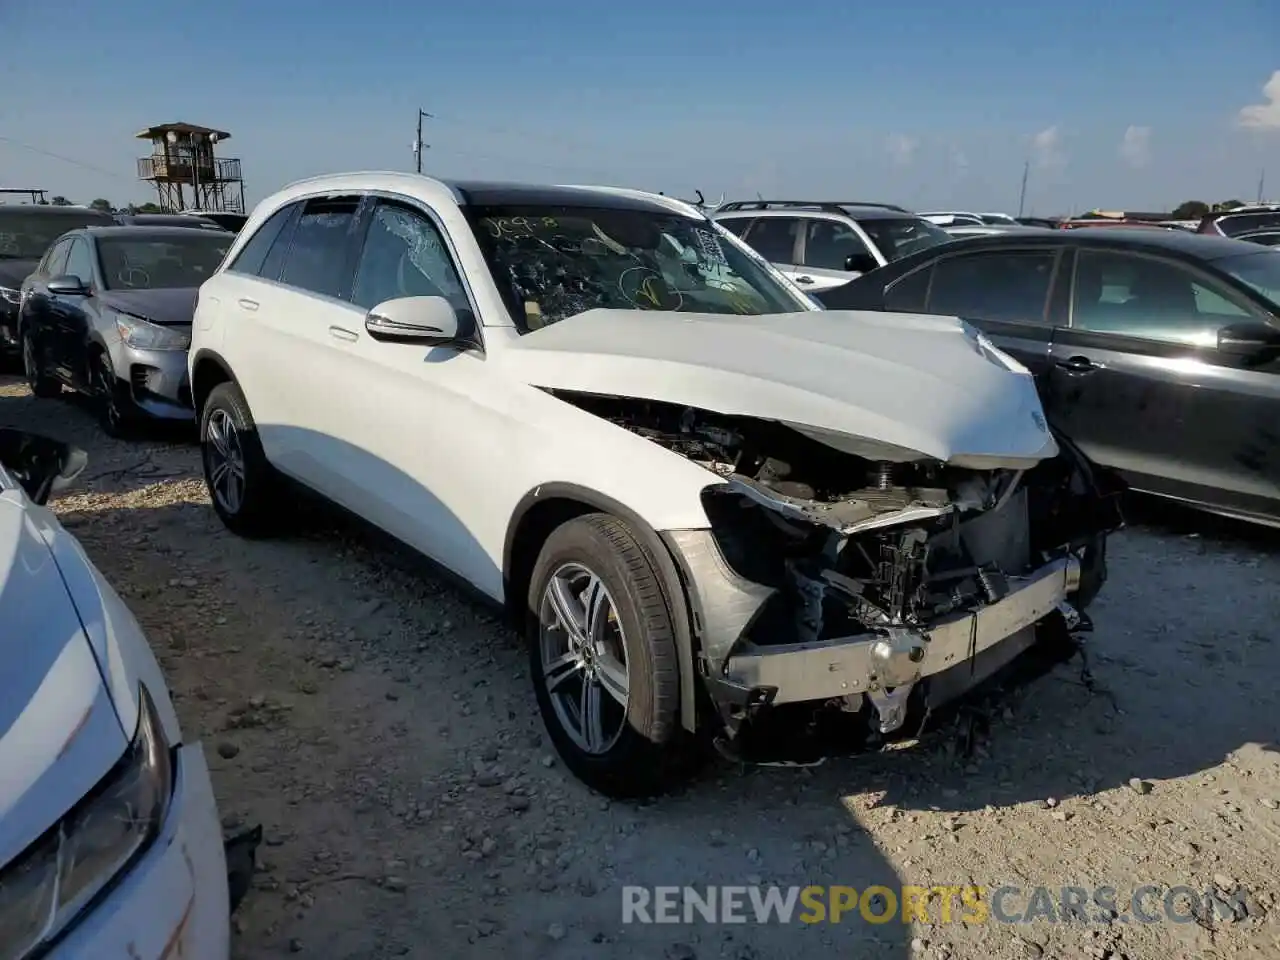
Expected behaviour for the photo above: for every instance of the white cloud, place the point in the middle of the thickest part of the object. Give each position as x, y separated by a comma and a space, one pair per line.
1046, 148
901, 148
1135, 146
1264, 116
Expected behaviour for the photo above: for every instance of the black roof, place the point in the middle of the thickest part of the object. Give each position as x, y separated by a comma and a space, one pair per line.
486, 194
1198, 245
142, 231
42, 210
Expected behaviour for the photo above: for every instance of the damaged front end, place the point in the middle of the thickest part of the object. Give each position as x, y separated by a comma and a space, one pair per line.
877, 590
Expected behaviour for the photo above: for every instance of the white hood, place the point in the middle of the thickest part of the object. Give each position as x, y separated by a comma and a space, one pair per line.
886, 386
59, 733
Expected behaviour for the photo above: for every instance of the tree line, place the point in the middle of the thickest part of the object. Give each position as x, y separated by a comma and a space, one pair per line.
1195, 209
106, 206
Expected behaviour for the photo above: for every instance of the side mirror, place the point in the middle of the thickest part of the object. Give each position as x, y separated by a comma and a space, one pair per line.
860, 263
1249, 339
430, 321
67, 286
40, 464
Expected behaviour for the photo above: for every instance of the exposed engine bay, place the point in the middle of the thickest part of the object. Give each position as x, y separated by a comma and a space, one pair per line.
870, 572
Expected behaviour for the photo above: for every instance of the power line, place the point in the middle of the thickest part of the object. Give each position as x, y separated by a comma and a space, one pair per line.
58, 156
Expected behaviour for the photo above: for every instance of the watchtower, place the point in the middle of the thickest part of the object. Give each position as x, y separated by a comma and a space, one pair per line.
182, 157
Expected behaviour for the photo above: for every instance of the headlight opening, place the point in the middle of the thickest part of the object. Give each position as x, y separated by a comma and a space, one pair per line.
50, 884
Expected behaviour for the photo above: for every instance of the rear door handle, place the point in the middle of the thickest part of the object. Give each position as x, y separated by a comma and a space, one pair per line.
804, 279
342, 333
1078, 365
247, 304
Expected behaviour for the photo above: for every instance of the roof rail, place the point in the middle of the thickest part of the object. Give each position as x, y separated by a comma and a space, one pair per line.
826, 206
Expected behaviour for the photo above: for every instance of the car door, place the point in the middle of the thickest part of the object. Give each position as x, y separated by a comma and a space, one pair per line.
1139, 384
290, 322
828, 246
1006, 294
409, 453
69, 316
777, 239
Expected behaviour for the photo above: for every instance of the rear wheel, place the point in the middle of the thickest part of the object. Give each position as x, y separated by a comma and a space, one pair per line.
603, 658
243, 486
41, 384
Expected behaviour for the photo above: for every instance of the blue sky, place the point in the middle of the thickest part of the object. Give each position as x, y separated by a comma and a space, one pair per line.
930, 103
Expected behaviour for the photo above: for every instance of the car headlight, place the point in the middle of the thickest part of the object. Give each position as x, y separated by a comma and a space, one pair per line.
45, 889
11, 295
144, 335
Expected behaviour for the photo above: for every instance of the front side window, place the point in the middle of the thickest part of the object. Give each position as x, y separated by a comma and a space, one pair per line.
25, 234
405, 256
1260, 270
774, 238
1005, 285
1233, 226
318, 260
908, 294
55, 261
828, 244
552, 262
898, 236
80, 261
166, 262
1154, 299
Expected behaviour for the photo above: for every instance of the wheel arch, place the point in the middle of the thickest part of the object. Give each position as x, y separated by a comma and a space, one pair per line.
546, 507
208, 369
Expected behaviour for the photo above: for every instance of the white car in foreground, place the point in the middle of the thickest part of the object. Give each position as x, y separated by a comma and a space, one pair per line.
707, 503
110, 843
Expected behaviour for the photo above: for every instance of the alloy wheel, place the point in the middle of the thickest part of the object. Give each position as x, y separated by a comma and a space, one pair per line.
224, 461
29, 367
108, 394
584, 659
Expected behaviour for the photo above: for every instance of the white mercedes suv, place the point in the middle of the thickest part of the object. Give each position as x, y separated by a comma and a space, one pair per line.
706, 503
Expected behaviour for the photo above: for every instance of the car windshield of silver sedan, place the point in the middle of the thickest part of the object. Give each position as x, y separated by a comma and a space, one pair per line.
153, 263
556, 262
1259, 270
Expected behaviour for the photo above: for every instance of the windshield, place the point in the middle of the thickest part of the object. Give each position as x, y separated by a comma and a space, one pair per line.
552, 262
1259, 270
897, 237
997, 219
27, 234
150, 263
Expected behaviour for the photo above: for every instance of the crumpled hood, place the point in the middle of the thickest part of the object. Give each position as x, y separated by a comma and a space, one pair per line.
173, 305
59, 733
881, 385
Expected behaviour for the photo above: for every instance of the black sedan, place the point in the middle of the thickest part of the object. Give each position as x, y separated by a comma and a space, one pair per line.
26, 231
108, 313
1157, 351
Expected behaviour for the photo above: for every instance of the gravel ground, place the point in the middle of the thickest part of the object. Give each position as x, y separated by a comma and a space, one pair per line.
381, 726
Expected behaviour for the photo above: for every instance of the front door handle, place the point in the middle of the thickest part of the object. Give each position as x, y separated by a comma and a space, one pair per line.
1078, 365
342, 333
247, 304
804, 279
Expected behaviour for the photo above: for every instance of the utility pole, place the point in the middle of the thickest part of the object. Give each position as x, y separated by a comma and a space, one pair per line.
418, 145
1262, 181
1022, 195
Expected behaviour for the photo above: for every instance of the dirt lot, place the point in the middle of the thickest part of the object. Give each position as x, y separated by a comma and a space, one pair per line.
381, 727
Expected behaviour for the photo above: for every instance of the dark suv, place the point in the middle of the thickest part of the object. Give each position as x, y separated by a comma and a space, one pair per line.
26, 232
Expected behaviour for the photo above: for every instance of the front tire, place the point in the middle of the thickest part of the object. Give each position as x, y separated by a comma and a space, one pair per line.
243, 486
603, 658
115, 410
40, 383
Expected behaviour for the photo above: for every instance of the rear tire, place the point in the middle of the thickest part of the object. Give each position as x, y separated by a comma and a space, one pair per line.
243, 486
616, 666
41, 384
